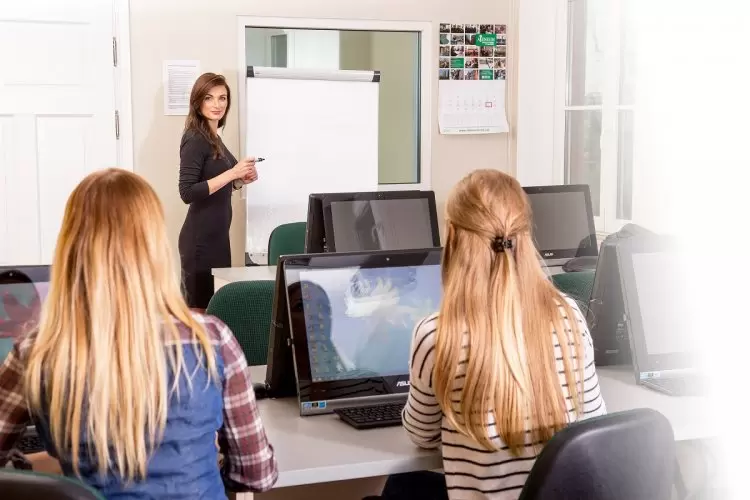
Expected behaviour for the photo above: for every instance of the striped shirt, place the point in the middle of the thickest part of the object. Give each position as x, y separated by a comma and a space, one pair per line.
472, 472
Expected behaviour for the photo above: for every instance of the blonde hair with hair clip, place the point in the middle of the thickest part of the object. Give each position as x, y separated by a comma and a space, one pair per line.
496, 292
100, 361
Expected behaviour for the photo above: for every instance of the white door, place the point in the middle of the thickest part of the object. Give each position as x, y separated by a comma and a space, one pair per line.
57, 115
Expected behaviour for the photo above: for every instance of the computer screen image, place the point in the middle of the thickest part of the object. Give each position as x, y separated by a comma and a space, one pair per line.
22, 292
352, 317
362, 225
360, 321
392, 220
563, 221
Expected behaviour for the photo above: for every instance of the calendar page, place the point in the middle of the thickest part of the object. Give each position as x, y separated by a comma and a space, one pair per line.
472, 107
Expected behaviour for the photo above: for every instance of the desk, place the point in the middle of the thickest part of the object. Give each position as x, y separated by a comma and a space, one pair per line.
225, 275
322, 448
691, 417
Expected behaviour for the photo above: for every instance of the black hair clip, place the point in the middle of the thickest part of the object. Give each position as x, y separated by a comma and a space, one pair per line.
499, 244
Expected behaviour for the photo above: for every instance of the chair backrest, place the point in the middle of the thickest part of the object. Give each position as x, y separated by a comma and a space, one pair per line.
621, 456
245, 307
6, 345
24, 485
286, 239
577, 286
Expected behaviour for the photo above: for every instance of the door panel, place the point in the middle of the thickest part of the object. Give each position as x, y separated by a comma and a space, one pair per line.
57, 106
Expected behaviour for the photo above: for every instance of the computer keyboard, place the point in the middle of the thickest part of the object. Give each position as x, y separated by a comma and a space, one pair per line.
30, 444
687, 386
368, 417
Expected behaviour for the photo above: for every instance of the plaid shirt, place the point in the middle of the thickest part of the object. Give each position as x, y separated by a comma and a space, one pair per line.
249, 462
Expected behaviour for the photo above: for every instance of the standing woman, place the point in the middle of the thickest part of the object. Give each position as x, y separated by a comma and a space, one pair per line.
208, 175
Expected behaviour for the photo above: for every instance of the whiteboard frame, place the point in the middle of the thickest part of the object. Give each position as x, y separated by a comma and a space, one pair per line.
426, 43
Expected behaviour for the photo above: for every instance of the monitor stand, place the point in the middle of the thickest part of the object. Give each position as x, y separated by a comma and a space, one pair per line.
578, 264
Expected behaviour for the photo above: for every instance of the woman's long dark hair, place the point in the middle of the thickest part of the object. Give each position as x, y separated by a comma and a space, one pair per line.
195, 121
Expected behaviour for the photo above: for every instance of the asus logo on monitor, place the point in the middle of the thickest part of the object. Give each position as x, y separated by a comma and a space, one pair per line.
549, 254
402, 383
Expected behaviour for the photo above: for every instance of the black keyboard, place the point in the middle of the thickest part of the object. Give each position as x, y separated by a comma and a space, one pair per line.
30, 444
368, 417
688, 386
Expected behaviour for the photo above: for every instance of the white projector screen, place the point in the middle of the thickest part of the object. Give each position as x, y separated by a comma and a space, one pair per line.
318, 132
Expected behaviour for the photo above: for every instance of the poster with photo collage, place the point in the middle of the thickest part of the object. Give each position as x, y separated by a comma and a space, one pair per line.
472, 51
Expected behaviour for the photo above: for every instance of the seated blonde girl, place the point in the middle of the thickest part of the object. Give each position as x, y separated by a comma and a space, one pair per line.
506, 363
127, 387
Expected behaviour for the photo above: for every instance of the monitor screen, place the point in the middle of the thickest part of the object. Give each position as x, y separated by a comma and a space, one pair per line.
359, 321
663, 303
563, 223
22, 291
381, 224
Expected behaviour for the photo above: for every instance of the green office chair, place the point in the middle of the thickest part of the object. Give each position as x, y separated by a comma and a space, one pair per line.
286, 239
245, 307
6, 345
22, 485
577, 286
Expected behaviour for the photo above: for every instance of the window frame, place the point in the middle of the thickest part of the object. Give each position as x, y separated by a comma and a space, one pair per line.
543, 84
426, 75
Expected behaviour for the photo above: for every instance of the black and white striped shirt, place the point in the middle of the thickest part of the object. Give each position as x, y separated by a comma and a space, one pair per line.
472, 472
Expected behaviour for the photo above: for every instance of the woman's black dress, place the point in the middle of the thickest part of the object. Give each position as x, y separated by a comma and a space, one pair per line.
204, 238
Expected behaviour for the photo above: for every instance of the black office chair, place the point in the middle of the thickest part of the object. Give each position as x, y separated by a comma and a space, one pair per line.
621, 456
23, 485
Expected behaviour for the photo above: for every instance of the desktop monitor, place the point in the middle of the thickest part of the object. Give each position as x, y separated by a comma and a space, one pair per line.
605, 314
280, 380
22, 291
315, 233
352, 316
391, 220
563, 222
658, 301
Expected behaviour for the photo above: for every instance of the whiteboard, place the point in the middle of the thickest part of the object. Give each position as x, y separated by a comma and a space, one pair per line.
318, 132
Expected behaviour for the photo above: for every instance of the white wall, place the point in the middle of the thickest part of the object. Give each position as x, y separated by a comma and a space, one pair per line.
317, 49
397, 57
539, 65
355, 50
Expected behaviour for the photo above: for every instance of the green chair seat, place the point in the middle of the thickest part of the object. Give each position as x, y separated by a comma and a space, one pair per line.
286, 239
6, 345
245, 307
577, 286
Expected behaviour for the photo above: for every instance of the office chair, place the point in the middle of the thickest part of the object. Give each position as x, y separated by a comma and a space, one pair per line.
286, 239
621, 456
577, 286
6, 345
23, 485
245, 307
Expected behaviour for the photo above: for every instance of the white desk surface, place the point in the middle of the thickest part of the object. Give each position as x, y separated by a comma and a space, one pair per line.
691, 417
321, 448
250, 273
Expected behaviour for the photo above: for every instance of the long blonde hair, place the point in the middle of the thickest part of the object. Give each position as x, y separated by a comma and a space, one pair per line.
100, 359
502, 298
